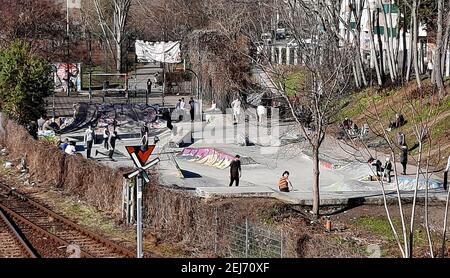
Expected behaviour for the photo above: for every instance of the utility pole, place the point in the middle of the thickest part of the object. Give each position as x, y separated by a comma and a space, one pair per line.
68, 53
90, 65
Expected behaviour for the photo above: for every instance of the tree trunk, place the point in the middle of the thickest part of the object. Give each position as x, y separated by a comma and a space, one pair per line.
410, 51
445, 43
388, 40
315, 183
413, 211
373, 52
380, 48
437, 67
118, 57
414, 49
405, 52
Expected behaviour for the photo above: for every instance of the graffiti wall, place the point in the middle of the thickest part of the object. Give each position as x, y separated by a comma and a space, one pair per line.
207, 156
60, 73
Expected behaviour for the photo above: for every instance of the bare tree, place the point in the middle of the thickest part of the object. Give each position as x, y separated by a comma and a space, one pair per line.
113, 18
326, 67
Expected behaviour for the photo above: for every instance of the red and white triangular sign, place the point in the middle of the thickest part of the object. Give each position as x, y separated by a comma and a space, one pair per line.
141, 156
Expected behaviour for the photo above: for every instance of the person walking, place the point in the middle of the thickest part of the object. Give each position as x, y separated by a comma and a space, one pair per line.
283, 183
236, 106
377, 165
89, 137
192, 108
235, 170
105, 138
144, 130
112, 146
144, 142
404, 158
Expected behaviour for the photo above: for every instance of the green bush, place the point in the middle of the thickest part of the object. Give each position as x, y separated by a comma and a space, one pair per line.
25, 81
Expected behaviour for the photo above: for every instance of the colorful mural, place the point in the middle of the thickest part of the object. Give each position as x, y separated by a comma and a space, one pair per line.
207, 156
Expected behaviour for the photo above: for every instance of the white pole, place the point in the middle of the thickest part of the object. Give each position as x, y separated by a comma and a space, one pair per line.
139, 217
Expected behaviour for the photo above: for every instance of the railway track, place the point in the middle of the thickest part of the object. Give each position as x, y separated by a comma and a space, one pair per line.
52, 235
13, 243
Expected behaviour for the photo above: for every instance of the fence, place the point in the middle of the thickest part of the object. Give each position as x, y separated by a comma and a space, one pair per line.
245, 239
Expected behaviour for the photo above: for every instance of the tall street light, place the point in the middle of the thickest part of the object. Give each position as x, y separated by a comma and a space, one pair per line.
67, 40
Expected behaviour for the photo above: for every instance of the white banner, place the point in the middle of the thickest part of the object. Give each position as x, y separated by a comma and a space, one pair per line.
165, 52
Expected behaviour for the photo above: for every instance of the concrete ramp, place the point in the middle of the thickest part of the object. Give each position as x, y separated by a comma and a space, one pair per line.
207, 156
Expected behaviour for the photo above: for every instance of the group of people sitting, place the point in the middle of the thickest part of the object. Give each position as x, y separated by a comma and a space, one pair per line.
398, 122
351, 129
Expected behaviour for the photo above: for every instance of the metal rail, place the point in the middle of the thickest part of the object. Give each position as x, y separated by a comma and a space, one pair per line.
68, 224
22, 242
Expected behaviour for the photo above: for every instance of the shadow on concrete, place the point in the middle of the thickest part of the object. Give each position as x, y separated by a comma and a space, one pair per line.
190, 175
352, 203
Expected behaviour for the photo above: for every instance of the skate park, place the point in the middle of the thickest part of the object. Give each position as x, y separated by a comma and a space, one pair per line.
197, 155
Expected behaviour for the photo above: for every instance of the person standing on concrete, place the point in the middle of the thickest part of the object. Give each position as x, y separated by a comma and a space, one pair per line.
41, 122
149, 86
144, 142
387, 169
105, 138
236, 105
192, 108
404, 158
112, 146
144, 130
179, 111
446, 173
182, 103
260, 112
377, 164
89, 137
235, 170
283, 183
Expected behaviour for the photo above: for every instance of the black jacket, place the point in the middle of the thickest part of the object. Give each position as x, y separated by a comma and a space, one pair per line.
404, 156
235, 168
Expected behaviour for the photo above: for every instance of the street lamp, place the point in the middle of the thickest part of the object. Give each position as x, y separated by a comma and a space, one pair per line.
198, 82
198, 92
68, 47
